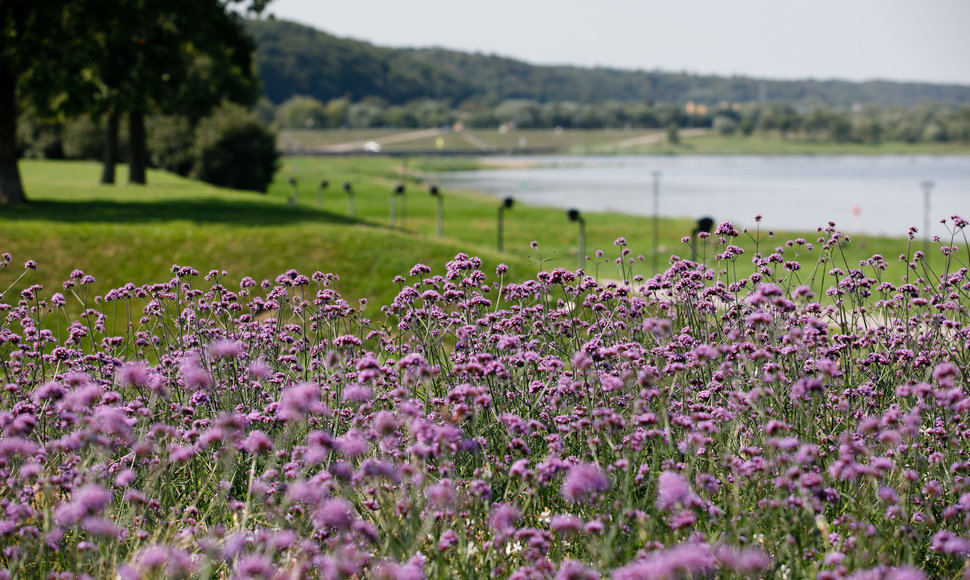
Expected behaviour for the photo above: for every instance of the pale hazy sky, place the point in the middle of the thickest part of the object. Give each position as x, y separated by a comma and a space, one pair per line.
913, 40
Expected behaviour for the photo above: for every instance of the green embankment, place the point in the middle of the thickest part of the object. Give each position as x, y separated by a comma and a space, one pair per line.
126, 233
600, 141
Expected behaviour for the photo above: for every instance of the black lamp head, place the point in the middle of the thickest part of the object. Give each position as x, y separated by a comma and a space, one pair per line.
399, 190
705, 224
324, 184
347, 187
507, 202
573, 214
433, 190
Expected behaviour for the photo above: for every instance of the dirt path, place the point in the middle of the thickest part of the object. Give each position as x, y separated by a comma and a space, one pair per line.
398, 138
658, 137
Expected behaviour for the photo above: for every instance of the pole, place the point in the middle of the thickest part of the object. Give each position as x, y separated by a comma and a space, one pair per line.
927, 188
291, 201
441, 216
323, 185
582, 243
351, 205
507, 203
656, 221
404, 211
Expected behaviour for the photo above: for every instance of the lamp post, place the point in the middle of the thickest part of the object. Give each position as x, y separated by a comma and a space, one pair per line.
351, 202
656, 220
927, 185
574, 216
398, 191
440, 221
291, 201
506, 204
323, 185
705, 224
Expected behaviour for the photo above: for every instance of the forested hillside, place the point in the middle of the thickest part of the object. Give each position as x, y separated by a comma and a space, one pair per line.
297, 60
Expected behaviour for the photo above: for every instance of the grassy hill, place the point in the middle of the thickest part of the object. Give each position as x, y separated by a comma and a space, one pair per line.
298, 60
135, 234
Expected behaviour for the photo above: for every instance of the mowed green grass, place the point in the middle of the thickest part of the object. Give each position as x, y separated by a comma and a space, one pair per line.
775, 144
135, 234
610, 141
565, 141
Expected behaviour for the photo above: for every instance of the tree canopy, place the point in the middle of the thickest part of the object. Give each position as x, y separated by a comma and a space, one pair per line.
109, 57
298, 60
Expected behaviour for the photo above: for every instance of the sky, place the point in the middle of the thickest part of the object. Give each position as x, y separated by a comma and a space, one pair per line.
904, 40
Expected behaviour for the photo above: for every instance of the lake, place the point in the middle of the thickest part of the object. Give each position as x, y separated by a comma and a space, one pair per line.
863, 194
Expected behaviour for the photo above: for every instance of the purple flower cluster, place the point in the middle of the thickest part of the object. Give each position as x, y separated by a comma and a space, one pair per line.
802, 421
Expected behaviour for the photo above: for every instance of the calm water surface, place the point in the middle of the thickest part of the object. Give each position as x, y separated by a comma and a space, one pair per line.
865, 194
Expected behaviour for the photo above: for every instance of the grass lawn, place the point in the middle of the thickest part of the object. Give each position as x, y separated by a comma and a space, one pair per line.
134, 234
760, 144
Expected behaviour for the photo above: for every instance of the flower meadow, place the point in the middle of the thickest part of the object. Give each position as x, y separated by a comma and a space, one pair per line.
775, 413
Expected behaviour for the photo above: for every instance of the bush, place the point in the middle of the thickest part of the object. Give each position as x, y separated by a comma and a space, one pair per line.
301, 112
725, 125
38, 138
170, 141
233, 149
83, 138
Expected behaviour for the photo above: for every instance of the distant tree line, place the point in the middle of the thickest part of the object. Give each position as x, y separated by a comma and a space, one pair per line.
298, 60
863, 124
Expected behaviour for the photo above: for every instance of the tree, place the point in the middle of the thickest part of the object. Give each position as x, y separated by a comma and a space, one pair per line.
110, 56
179, 57
43, 58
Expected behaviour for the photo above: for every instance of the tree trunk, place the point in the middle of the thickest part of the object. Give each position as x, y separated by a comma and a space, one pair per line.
11, 188
138, 158
110, 148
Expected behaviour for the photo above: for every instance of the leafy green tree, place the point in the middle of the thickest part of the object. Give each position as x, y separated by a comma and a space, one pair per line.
44, 61
179, 57
724, 125
301, 112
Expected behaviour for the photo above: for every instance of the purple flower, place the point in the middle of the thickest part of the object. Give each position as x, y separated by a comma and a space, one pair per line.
253, 566
396, 571
566, 523
573, 570
502, 517
441, 494
945, 373
133, 373
89, 500
300, 400
124, 478
357, 393
101, 527
582, 481
351, 444
226, 348
673, 490
334, 513
744, 562
684, 559
174, 561
949, 543
257, 442
385, 422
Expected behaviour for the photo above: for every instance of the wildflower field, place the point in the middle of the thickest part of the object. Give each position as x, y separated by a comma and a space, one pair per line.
776, 413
